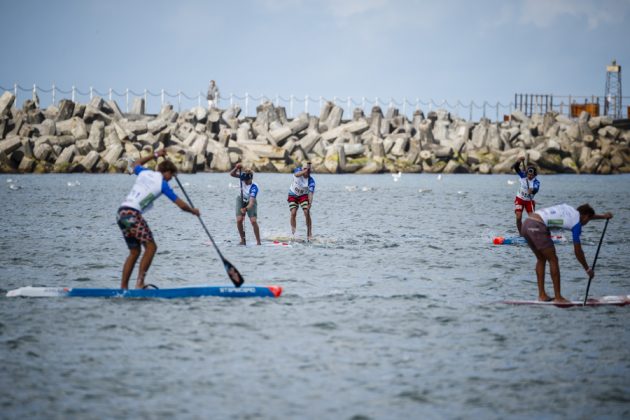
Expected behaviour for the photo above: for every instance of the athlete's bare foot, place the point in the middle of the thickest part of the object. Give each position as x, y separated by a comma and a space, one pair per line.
545, 298
560, 299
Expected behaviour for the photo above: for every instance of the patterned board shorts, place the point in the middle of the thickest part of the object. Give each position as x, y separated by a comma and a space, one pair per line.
134, 228
536, 234
294, 201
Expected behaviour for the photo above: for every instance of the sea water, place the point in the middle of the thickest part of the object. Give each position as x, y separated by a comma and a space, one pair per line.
390, 312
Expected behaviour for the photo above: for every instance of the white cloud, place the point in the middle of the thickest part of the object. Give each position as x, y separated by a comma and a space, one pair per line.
545, 13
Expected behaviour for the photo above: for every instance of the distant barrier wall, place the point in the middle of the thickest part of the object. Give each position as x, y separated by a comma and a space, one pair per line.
295, 105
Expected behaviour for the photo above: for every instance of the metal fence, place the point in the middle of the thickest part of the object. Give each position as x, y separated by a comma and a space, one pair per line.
294, 105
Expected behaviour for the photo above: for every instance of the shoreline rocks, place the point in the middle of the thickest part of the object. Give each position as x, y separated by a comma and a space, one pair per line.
97, 137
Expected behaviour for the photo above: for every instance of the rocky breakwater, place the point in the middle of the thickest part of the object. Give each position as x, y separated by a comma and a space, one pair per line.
98, 137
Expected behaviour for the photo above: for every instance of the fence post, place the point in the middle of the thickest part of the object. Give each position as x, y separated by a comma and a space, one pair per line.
91, 92
53, 93
34, 92
306, 104
470, 111
146, 102
231, 99
291, 105
162, 98
179, 101
405, 106
110, 94
246, 104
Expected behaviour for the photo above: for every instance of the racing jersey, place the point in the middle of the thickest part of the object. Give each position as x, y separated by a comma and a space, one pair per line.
250, 190
562, 216
148, 186
525, 185
300, 185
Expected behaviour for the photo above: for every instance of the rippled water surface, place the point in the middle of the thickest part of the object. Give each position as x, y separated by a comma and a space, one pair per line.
390, 313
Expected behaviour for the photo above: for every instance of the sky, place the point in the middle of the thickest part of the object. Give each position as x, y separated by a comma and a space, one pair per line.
452, 50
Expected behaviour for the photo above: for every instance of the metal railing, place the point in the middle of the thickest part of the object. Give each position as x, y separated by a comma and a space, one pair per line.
295, 105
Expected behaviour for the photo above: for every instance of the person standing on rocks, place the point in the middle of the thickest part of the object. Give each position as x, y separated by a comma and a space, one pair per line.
246, 202
213, 95
528, 187
148, 186
538, 237
301, 194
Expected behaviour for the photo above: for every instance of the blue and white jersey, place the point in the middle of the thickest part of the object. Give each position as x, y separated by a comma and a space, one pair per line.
250, 190
525, 185
562, 216
300, 185
148, 186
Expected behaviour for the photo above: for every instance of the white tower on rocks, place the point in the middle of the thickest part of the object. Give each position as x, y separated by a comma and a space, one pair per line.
612, 98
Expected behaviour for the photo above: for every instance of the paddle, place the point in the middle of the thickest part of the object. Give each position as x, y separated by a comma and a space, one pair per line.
232, 272
240, 181
588, 286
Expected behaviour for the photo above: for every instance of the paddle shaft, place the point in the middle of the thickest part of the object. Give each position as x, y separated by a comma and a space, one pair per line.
240, 181
237, 282
588, 286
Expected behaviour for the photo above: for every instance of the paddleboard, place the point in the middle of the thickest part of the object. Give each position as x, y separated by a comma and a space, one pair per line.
168, 293
519, 240
598, 301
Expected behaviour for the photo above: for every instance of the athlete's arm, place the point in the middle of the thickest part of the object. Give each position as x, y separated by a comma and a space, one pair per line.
579, 255
182, 205
236, 168
607, 215
517, 165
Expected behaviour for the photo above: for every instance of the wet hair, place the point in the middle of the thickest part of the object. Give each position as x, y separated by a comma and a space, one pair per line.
245, 175
586, 210
531, 169
167, 166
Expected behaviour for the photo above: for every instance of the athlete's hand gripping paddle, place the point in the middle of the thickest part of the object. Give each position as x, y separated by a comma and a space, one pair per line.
588, 286
232, 272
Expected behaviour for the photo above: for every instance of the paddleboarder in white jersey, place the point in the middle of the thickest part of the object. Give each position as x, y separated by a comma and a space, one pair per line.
529, 186
301, 194
246, 202
148, 186
536, 232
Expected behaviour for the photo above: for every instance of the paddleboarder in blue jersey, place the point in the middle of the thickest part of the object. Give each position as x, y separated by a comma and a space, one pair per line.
246, 202
538, 237
529, 186
148, 186
301, 194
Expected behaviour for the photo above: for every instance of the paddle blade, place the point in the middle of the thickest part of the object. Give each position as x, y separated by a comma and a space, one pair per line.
233, 273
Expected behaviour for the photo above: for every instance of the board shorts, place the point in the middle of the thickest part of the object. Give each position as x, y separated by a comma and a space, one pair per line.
253, 212
528, 205
134, 228
537, 234
297, 200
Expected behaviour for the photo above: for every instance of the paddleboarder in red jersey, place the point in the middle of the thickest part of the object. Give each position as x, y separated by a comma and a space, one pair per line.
536, 232
528, 187
148, 186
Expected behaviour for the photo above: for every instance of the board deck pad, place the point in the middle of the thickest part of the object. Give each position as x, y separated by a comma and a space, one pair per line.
621, 300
